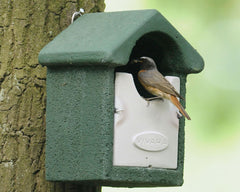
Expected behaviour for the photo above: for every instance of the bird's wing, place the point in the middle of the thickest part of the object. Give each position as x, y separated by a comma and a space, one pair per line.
155, 79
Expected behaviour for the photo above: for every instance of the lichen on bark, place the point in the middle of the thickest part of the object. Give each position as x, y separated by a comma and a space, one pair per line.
25, 27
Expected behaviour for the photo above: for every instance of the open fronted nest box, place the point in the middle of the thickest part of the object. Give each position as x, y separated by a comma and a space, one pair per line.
100, 130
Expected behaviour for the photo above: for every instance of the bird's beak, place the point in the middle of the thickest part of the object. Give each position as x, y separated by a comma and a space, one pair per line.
137, 61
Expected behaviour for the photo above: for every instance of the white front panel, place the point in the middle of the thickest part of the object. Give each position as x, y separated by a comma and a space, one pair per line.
145, 133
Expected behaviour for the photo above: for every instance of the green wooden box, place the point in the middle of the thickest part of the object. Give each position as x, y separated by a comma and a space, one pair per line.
82, 61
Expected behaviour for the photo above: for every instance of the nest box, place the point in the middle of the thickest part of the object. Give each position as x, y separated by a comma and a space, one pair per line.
100, 130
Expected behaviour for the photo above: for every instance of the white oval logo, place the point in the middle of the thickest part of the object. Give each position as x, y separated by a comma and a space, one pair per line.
150, 141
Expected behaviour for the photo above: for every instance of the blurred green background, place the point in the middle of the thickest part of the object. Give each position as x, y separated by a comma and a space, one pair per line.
212, 153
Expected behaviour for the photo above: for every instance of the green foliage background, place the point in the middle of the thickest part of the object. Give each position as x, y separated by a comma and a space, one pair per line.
212, 136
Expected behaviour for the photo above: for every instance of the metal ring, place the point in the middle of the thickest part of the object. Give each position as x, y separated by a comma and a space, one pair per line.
80, 13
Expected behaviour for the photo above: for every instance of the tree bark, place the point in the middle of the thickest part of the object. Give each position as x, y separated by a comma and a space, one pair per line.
25, 27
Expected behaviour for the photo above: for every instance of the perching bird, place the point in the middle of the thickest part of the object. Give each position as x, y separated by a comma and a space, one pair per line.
156, 84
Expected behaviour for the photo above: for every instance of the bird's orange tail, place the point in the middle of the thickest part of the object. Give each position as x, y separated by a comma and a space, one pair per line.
175, 101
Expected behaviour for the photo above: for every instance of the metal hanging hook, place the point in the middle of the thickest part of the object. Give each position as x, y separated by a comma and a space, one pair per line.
80, 13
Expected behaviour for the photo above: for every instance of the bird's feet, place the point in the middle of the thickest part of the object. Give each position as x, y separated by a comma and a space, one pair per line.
152, 98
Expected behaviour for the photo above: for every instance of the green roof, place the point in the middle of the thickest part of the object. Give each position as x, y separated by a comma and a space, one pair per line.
108, 38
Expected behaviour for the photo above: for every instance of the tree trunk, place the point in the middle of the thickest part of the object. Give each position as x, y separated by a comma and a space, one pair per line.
25, 27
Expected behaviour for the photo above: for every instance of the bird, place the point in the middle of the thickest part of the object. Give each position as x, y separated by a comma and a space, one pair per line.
156, 84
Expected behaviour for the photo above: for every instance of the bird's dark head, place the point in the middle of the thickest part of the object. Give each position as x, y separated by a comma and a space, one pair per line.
146, 63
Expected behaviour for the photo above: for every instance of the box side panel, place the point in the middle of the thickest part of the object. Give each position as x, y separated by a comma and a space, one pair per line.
80, 107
